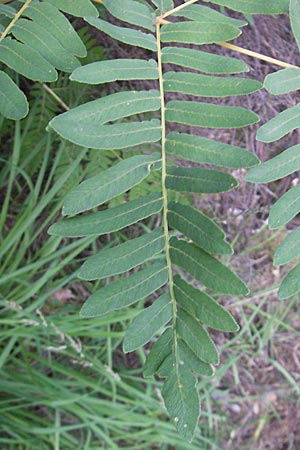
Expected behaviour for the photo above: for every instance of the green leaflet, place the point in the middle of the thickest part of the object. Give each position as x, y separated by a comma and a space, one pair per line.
148, 323
125, 291
81, 125
192, 361
280, 125
291, 284
288, 249
209, 115
13, 103
182, 400
208, 86
206, 151
110, 137
198, 32
132, 12
202, 61
127, 35
109, 220
116, 70
45, 43
202, 307
166, 367
187, 357
283, 81
196, 179
166, 358
123, 257
255, 6
7, 11
163, 5
108, 184
196, 338
204, 14
205, 268
276, 168
295, 19
285, 209
26, 61
106, 109
198, 227
159, 352
80, 8
47, 16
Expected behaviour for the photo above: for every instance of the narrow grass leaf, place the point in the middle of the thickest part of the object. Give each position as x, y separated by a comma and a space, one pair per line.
182, 400
196, 179
123, 257
287, 375
108, 184
45, 43
80, 8
26, 61
209, 115
205, 268
148, 323
126, 35
208, 86
202, 13
255, 6
276, 168
283, 81
109, 137
207, 151
158, 353
202, 307
291, 284
285, 209
13, 103
132, 12
109, 220
198, 33
126, 291
49, 17
295, 20
116, 70
280, 125
288, 249
192, 361
196, 338
197, 226
202, 61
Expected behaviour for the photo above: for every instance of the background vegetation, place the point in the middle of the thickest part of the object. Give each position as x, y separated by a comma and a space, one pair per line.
65, 382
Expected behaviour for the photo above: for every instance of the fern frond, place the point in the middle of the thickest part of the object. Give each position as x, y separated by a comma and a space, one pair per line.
186, 239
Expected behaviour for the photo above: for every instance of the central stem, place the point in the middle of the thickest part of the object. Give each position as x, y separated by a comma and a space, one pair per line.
163, 186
